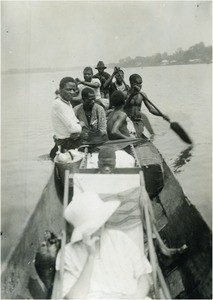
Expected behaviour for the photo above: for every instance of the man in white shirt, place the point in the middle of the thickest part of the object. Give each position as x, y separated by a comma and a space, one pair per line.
66, 126
91, 82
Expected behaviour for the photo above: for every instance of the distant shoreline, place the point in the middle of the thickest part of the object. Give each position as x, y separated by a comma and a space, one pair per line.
39, 70
48, 70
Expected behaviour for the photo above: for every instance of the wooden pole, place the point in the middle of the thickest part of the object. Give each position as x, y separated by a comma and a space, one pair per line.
63, 242
152, 255
156, 273
163, 284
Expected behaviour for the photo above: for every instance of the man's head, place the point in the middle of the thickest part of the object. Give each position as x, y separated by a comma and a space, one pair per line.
67, 88
119, 77
136, 81
88, 97
117, 98
88, 73
100, 67
106, 160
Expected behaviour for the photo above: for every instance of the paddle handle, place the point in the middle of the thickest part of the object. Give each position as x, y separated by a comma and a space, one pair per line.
160, 113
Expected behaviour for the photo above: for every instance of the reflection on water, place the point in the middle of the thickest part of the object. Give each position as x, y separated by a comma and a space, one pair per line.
183, 158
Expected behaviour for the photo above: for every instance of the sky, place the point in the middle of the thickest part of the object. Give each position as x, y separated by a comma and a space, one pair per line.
60, 34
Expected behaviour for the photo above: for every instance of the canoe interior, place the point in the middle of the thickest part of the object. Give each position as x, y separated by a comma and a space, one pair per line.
188, 275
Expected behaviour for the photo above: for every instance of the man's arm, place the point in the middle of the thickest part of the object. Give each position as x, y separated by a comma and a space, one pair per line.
95, 85
90, 84
102, 123
151, 108
81, 288
108, 81
77, 98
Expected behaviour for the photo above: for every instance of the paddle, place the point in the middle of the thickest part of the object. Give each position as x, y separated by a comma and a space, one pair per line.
116, 144
173, 125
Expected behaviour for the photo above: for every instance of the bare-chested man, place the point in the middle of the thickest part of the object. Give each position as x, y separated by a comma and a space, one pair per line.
117, 119
133, 105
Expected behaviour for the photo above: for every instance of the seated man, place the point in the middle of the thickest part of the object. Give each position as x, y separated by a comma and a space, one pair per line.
117, 119
66, 126
100, 263
92, 116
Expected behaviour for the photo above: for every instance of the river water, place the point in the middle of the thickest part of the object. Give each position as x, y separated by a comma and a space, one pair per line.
181, 92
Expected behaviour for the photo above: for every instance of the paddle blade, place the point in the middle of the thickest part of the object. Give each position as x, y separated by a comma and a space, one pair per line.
181, 132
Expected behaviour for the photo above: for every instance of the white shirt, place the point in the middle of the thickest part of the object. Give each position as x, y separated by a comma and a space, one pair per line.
64, 121
117, 266
120, 87
96, 90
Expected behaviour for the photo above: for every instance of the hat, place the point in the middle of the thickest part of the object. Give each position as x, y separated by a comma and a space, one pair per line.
87, 213
100, 65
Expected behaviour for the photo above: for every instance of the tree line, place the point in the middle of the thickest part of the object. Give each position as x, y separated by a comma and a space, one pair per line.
198, 53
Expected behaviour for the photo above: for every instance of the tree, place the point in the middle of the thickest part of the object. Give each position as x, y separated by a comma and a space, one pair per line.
198, 52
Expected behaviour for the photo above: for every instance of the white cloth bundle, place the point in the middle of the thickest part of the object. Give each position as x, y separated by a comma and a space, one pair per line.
70, 156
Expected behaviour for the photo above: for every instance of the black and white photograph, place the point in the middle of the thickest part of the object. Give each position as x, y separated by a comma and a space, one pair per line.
106, 149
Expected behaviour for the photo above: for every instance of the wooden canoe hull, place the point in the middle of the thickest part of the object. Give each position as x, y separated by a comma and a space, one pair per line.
178, 221
19, 278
